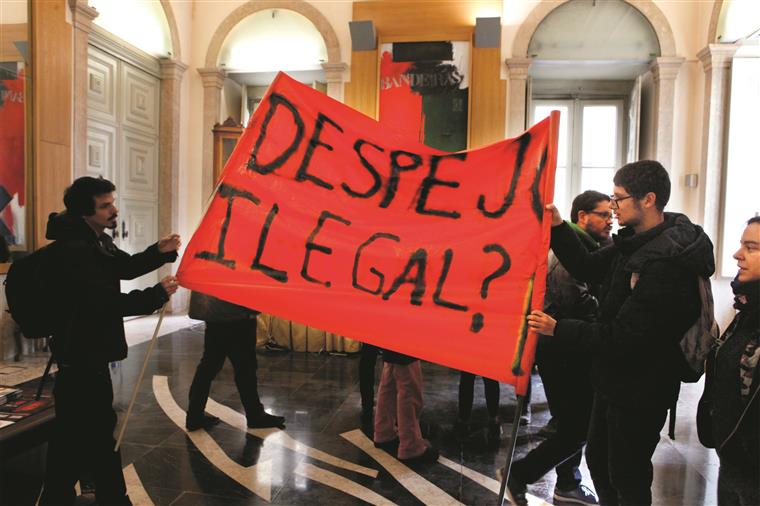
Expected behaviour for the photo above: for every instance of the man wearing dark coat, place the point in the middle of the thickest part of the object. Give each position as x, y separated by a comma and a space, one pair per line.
649, 298
85, 268
565, 372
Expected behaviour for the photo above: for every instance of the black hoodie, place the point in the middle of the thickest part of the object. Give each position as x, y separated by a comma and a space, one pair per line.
649, 298
86, 273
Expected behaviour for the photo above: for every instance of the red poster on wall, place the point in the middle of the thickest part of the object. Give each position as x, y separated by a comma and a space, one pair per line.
11, 153
324, 217
424, 91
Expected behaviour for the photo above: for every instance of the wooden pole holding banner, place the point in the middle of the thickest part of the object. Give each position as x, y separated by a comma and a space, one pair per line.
155, 337
140, 378
511, 449
541, 272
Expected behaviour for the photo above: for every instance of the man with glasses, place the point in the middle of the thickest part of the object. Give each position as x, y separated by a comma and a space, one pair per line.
565, 373
649, 298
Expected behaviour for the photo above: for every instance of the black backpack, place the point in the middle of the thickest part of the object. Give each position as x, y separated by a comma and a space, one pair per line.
701, 337
28, 293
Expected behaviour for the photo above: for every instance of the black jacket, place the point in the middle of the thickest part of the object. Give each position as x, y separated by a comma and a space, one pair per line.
566, 297
727, 404
211, 309
635, 342
85, 279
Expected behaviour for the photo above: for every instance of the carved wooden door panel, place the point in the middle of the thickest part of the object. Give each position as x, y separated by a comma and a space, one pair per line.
122, 146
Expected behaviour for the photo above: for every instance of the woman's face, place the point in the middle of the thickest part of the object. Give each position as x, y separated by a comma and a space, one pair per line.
748, 255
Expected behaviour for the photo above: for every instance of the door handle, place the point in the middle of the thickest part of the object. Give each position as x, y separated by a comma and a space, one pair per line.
124, 233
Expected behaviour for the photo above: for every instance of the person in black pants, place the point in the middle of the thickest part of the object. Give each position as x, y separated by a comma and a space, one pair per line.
367, 360
230, 333
83, 273
466, 393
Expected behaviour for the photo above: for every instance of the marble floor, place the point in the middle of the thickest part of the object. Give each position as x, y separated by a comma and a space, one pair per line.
322, 457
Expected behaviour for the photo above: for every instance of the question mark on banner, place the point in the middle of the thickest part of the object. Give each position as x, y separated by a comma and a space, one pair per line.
477, 318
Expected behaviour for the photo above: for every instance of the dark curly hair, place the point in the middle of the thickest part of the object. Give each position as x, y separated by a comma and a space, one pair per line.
79, 198
586, 202
642, 177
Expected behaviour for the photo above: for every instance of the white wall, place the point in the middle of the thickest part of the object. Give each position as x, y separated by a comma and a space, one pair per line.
646, 120
232, 97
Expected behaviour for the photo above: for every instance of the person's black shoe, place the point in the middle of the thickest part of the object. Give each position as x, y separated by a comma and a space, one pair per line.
579, 495
388, 446
272, 346
525, 417
367, 417
429, 456
266, 421
515, 490
549, 429
461, 429
494, 431
368, 423
205, 421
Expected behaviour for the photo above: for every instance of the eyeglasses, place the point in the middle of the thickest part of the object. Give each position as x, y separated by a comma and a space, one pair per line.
602, 214
615, 200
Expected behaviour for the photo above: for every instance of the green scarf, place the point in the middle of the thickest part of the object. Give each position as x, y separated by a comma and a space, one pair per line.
590, 243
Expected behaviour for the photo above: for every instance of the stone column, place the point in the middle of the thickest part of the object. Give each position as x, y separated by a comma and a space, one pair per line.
716, 60
517, 99
82, 16
334, 76
664, 72
213, 81
168, 164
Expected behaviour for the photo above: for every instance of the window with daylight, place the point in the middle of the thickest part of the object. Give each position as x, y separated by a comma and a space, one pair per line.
142, 24
590, 145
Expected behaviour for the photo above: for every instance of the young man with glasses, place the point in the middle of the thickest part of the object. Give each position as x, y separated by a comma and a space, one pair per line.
565, 373
649, 299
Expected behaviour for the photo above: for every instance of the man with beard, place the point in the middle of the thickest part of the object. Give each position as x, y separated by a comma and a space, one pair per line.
565, 372
85, 268
649, 299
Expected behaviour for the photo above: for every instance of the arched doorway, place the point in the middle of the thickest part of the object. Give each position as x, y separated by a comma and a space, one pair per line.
251, 66
571, 50
214, 75
239, 67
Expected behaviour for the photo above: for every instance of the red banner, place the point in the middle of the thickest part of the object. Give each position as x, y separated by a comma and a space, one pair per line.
323, 217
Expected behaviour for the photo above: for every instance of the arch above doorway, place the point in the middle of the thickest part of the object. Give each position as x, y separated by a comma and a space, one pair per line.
173, 30
651, 12
158, 37
300, 6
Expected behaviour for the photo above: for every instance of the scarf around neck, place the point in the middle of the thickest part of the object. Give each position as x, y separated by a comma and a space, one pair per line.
747, 301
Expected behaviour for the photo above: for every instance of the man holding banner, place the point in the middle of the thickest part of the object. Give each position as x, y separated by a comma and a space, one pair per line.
89, 333
649, 281
565, 372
